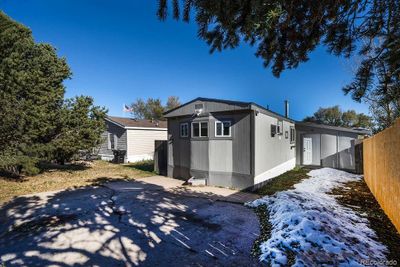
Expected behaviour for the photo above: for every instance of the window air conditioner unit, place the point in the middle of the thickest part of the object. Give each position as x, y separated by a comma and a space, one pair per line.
273, 130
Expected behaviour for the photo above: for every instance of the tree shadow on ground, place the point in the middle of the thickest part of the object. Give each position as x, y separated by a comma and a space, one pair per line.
68, 167
125, 224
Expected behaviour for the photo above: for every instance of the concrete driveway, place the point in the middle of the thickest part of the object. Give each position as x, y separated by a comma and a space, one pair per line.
153, 223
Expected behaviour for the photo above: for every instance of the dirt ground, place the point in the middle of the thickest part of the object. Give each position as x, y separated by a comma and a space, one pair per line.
56, 177
357, 196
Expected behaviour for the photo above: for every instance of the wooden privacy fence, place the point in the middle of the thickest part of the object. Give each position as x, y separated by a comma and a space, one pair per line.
382, 170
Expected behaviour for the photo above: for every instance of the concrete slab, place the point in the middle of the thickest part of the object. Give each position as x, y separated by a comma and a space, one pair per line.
215, 193
154, 223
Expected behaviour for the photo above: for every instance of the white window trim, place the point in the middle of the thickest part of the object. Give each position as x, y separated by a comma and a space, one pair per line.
199, 123
222, 133
180, 129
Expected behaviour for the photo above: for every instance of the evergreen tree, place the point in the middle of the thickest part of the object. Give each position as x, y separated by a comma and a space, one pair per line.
32, 92
79, 127
35, 122
284, 32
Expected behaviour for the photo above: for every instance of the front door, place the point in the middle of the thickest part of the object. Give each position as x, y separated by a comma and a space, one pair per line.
307, 151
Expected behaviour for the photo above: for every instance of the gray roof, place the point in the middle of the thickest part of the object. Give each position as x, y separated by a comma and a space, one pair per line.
335, 128
129, 122
244, 105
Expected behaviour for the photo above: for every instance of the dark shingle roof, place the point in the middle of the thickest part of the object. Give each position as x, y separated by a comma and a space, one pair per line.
129, 122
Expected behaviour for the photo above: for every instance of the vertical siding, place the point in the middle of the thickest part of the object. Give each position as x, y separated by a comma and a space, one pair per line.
271, 151
331, 148
224, 161
232, 154
346, 146
221, 152
121, 138
141, 141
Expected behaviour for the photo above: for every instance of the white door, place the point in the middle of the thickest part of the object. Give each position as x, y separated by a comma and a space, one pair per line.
307, 151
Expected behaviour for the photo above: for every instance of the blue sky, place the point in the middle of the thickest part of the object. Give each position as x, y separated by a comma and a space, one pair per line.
118, 51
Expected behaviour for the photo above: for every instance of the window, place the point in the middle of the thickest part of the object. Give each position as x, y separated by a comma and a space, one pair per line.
292, 135
184, 130
222, 128
112, 141
199, 129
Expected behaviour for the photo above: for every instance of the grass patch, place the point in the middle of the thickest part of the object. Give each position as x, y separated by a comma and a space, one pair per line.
357, 196
56, 177
144, 165
284, 181
265, 229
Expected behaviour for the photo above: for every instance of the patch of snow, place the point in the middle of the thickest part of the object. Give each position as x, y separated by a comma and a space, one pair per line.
312, 224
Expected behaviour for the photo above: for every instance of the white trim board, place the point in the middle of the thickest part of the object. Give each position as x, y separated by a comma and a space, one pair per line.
136, 158
137, 128
275, 171
145, 128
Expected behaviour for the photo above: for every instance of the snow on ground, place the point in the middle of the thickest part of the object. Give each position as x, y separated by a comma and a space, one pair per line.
312, 224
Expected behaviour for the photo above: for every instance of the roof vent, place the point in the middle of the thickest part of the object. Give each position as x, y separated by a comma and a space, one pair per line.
198, 108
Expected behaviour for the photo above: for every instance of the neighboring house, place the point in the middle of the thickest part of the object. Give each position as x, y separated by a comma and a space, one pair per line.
229, 143
136, 137
327, 146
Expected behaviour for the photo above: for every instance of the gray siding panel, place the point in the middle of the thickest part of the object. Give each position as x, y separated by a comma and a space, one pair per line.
209, 107
224, 161
271, 151
121, 138
329, 156
199, 159
336, 147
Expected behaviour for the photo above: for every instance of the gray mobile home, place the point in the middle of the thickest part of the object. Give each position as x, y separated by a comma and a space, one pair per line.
229, 143
327, 146
136, 137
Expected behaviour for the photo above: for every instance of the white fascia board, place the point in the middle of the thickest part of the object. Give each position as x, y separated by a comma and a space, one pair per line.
146, 128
